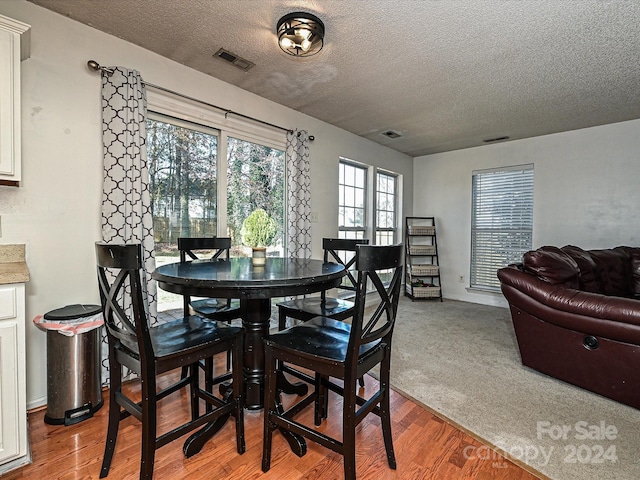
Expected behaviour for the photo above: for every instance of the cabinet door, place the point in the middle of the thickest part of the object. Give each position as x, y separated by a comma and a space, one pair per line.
14, 46
13, 414
9, 48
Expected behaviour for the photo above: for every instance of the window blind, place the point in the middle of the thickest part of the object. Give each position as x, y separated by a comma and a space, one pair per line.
501, 221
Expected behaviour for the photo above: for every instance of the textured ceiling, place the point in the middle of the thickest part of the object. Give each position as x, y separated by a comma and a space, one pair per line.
445, 74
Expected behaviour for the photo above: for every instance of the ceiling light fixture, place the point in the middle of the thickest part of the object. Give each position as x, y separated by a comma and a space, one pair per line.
300, 34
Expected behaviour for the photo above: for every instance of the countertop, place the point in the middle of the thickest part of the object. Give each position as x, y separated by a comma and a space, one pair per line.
13, 267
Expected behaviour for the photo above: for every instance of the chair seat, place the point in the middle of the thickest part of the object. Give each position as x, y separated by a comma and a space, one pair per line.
212, 307
315, 306
193, 332
320, 338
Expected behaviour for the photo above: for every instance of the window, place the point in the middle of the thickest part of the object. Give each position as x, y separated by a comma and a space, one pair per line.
183, 179
358, 196
205, 182
386, 206
368, 203
255, 175
501, 221
352, 194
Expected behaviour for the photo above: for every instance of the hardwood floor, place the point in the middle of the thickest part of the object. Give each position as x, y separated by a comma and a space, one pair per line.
426, 448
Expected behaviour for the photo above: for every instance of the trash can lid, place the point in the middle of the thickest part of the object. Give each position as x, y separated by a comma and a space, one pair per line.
73, 311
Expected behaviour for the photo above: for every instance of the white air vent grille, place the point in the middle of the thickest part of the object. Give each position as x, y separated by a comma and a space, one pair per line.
239, 62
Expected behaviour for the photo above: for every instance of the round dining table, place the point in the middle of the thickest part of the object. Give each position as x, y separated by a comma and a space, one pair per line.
254, 286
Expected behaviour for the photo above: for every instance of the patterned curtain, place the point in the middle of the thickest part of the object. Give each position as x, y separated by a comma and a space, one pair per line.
299, 192
126, 203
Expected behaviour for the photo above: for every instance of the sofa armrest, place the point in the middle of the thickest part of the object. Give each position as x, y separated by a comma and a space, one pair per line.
611, 317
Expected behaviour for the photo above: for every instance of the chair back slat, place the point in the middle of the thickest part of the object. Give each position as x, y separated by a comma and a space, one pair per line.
343, 252
219, 247
121, 296
189, 246
376, 303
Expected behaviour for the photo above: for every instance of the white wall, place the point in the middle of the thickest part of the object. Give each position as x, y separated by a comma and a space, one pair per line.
586, 193
56, 211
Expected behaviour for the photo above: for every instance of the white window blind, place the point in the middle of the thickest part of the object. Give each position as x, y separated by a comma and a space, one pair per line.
501, 221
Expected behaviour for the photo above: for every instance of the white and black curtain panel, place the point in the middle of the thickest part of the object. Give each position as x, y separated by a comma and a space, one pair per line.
299, 192
126, 203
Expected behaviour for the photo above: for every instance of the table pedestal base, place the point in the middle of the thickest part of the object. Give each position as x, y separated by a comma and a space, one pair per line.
255, 320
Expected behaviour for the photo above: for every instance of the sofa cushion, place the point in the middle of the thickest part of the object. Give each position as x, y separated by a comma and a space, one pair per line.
552, 265
634, 256
589, 279
614, 266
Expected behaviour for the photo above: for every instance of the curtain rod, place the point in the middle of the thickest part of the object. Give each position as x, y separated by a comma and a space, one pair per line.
95, 66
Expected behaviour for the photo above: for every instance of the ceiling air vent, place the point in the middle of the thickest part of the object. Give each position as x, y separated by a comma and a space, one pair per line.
235, 60
391, 134
497, 139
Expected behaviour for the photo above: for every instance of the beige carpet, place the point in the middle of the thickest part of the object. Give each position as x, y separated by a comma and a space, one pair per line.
461, 361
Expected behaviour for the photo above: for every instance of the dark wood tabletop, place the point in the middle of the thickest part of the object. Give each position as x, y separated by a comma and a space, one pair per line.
239, 278
255, 286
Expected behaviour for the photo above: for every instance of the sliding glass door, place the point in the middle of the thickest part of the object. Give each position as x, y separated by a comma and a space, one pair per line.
183, 180
205, 183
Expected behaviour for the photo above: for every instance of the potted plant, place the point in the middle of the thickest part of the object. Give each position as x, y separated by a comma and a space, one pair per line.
259, 231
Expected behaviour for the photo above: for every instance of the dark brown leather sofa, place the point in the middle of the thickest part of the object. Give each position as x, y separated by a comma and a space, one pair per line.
576, 315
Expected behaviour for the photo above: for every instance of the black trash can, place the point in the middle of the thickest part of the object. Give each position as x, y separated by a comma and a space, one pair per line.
74, 390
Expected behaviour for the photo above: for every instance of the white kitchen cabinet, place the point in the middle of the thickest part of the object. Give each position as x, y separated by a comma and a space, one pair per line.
13, 408
14, 47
